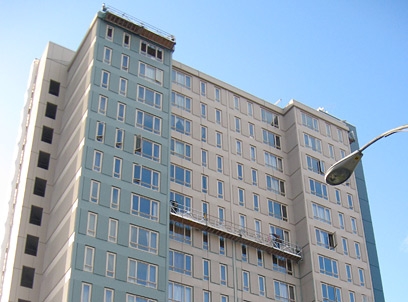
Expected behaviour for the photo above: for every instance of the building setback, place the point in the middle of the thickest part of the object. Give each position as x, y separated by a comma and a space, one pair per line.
139, 178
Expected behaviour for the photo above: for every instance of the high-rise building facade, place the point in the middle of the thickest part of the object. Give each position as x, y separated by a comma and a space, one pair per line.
141, 179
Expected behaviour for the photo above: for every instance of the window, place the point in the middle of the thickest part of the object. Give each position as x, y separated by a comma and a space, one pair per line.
205, 240
331, 293
203, 134
250, 109
240, 171
352, 297
109, 33
254, 174
244, 254
121, 111
315, 165
89, 258
179, 293
350, 202
36, 215
328, 130
180, 262
237, 124
239, 147
143, 239
181, 125
325, 239
31, 245
147, 149
126, 40
204, 158
251, 130
342, 153
203, 110
105, 79
340, 135
54, 88
259, 254
151, 51
102, 104
271, 139
148, 122
221, 215
181, 79
219, 163
108, 295
357, 249
282, 265
349, 273
142, 273
203, 88
242, 222
338, 196
245, 281
218, 136
144, 207
310, 122
100, 131
313, 143
241, 197
353, 225
149, 97
119, 137
272, 161
123, 86
204, 183
218, 116
180, 175
252, 153
328, 267
341, 221
180, 232
277, 210
86, 292
223, 274
255, 199
206, 269
107, 55
279, 235
321, 213
222, 246
97, 161
39, 186
150, 73
180, 149
146, 177
236, 102
361, 276
345, 245
47, 135
275, 185
220, 189
269, 118
27, 277
91, 224
331, 151
261, 285
258, 228
217, 93
95, 188
181, 101
318, 189
51, 110
181, 201
284, 292
112, 230
117, 167
206, 296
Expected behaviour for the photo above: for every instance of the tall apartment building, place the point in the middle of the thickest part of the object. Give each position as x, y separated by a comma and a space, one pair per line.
141, 179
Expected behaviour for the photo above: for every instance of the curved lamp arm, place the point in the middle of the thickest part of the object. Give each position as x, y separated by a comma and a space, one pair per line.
342, 170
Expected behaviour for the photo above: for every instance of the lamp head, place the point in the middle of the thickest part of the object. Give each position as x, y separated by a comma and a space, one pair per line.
342, 170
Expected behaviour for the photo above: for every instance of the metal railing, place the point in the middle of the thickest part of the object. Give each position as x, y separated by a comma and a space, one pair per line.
269, 242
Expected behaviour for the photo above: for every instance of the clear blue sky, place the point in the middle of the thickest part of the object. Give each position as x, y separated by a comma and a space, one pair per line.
350, 57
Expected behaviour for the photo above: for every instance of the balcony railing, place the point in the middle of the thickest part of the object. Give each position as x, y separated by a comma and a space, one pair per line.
268, 242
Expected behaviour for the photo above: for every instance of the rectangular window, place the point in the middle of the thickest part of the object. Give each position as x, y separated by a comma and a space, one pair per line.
144, 207
245, 281
357, 250
325, 239
244, 253
205, 241
107, 55
361, 276
51, 111
148, 122
345, 245
331, 293
350, 202
121, 111
352, 297
239, 147
255, 199
91, 224
39, 186
260, 257
252, 153
349, 274
353, 225
27, 277
271, 139
203, 88
284, 292
180, 149
328, 266
328, 130
237, 124
321, 213
277, 210
206, 269
147, 149
203, 134
180, 175
315, 165
269, 118
219, 163
254, 174
179, 292
100, 131
36, 215
105, 79
331, 151
97, 161
146, 177
108, 295
236, 102
149, 97
117, 167
218, 116
241, 197
54, 88
109, 33
181, 101
180, 201
47, 135
338, 196
180, 232
119, 138
151, 51
240, 171
251, 130
217, 93
102, 104
261, 285
180, 262
95, 188
275, 185
181, 79
318, 188
112, 230
31, 245
126, 40
272, 161
123, 83
204, 158
151, 73
143, 239
313, 143
204, 183
250, 109
341, 221
310, 122
86, 292
223, 274
206, 296
340, 135
218, 139
88, 258
142, 273
222, 246
115, 198
203, 110
180, 124
110, 265
220, 189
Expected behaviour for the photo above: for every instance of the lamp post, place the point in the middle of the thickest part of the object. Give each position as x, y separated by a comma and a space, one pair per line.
340, 171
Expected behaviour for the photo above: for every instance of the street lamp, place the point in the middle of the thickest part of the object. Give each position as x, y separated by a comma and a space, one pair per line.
340, 171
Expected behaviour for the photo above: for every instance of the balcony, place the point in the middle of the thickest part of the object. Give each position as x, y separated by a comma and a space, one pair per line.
267, 242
